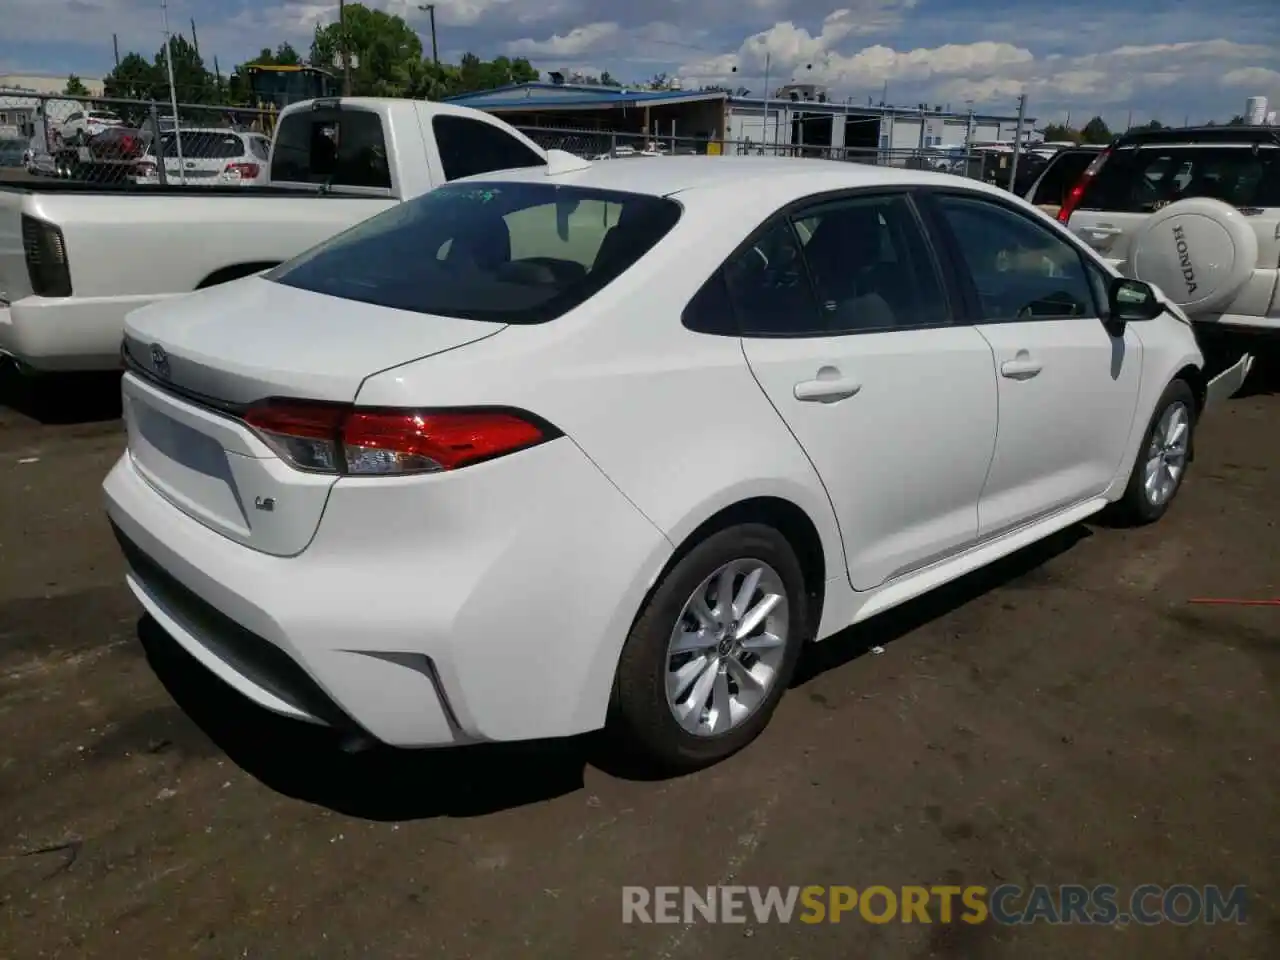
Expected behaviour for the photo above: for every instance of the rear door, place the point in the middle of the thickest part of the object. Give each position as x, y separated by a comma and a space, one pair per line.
852, 341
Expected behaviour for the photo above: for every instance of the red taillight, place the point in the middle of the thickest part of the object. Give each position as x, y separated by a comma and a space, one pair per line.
330, 438
1077, 192
245, 171
128, 144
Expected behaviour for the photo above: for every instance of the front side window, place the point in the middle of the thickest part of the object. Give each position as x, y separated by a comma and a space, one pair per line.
339, 148
470, 147
871, 265
1021, 270
503, 252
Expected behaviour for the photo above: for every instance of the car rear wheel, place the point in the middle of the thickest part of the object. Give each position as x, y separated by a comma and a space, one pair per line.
713, 650
1162, 459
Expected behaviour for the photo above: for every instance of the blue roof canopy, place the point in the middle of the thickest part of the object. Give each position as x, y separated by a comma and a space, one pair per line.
566, 96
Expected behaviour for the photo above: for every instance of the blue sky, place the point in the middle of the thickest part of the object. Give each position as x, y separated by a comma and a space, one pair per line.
1172, 59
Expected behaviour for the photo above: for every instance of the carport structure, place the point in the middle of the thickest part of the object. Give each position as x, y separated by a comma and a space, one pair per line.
638, 114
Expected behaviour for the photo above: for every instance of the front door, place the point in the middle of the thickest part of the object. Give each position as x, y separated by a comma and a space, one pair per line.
848, 330
1067, 379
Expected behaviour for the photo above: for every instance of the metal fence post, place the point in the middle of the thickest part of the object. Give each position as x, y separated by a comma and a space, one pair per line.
613, 146
157, 146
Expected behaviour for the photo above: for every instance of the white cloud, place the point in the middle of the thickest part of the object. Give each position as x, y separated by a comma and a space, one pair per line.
575, 43
1254, 77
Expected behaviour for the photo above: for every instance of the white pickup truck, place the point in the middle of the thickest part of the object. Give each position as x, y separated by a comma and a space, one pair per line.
76, 258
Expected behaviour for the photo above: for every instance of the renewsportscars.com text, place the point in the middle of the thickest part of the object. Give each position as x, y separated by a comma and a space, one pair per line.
1009, 904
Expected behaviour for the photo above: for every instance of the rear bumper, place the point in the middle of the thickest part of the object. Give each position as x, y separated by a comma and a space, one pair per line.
67, 334
429, 611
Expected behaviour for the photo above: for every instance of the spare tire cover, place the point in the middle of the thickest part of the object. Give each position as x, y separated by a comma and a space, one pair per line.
1199, 252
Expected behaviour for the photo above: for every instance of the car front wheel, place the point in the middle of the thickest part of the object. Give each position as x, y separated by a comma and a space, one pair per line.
1162, 459
713, 650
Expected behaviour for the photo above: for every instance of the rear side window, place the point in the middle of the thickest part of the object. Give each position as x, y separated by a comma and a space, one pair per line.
260, 147
503, 252
203, 145
340, 148
470, 147
1143, 180
1061, 175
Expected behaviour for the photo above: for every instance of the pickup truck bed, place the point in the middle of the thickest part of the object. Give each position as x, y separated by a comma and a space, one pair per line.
75, 258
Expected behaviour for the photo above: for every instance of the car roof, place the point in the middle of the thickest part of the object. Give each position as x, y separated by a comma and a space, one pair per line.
1195, 136
778, 180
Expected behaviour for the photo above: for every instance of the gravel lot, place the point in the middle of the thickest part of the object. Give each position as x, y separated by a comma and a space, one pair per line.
1066, 718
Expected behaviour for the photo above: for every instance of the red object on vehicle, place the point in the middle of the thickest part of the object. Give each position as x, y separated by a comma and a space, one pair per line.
335, 438
1077, 192
247, 171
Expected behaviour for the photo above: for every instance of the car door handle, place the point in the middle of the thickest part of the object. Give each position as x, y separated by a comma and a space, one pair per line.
1104, 230
1024, 368
826, 389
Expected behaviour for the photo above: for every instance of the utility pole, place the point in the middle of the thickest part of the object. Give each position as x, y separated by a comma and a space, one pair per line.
173, 94
430, 8
1017, 139
346, 48
115, 46
195, 42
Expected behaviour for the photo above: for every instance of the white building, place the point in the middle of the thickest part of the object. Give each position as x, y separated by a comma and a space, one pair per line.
17, 110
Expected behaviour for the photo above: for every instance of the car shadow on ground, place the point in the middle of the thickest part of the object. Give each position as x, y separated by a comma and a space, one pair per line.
308, 762
61, 399
1026, 565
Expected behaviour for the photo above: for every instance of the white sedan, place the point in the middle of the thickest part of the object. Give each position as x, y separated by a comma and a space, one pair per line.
560, 448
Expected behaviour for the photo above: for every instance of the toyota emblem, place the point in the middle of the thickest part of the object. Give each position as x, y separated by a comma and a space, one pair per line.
160, 360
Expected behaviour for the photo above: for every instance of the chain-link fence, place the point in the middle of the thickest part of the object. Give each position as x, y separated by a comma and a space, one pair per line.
110, 141
601, 145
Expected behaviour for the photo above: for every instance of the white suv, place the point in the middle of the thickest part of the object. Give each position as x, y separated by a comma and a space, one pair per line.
1196, 212
83, 124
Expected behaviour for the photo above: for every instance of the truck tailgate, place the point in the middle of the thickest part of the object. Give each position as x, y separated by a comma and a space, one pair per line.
14, 282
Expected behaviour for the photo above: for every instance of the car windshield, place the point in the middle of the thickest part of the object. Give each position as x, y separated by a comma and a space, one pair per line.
504, 252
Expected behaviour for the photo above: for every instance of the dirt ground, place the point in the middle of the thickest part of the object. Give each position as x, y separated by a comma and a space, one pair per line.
1066, 718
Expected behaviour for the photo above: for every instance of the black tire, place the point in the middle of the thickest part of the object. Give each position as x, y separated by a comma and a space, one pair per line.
1136, 507
640, 714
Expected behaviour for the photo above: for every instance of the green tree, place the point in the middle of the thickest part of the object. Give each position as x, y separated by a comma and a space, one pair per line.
607, 80
1152, 124
1096, 131
1237, 121
381, 46
285, 56
192, 82
1059, 132
75, 87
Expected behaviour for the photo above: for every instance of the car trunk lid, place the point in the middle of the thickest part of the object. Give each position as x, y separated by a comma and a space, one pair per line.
198, 363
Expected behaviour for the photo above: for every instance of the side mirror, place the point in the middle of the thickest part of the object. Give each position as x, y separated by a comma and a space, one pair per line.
1133, 301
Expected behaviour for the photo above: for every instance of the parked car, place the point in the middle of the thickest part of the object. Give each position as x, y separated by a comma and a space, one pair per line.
1194, 211
209, 156
108, 157
75, 258
83, 124
550, 446
1063, 170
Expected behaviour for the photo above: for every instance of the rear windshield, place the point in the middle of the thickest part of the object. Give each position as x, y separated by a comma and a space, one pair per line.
341, 148
504, 252
203, 145
1142, 180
